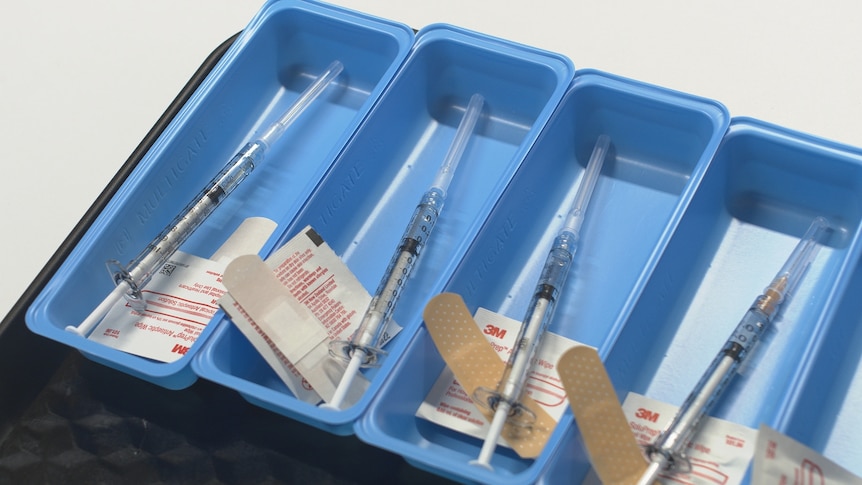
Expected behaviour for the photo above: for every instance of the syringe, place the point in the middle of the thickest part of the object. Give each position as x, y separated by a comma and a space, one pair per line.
133, 277
505, 401
667, 453
362, 350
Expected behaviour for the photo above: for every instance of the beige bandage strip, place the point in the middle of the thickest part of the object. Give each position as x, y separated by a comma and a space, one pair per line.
614, 452
475, 364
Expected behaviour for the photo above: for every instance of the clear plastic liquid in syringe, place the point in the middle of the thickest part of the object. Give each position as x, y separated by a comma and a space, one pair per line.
139, 271
370, 333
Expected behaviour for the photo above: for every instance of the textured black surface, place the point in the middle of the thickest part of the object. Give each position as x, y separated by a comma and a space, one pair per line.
92, 424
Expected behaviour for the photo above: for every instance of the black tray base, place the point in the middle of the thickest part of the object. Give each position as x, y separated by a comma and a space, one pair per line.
93, 424
65, 419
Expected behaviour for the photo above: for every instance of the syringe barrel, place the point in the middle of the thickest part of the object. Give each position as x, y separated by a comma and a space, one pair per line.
538, 317
138, 272
368, 336
673, 440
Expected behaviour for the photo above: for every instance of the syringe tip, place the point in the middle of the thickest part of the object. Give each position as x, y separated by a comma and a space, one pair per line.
459, 142
794, 268
591, 175
803, 254
302, 102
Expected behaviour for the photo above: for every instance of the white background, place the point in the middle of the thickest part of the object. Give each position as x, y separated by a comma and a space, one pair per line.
82, 82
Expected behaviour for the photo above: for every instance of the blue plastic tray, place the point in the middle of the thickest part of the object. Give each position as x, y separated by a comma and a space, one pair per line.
688, 224
761, 192
663, 142
281, 50
365, 202
825, 410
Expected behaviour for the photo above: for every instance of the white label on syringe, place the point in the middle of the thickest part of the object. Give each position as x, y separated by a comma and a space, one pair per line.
181, 299
447, 404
